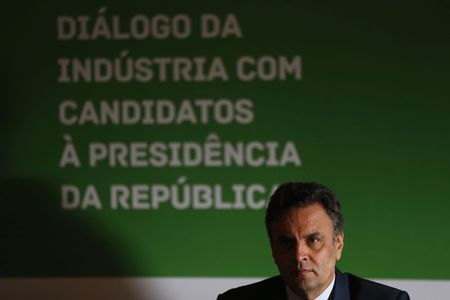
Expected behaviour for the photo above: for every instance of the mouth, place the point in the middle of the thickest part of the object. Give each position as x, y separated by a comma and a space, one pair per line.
302, 272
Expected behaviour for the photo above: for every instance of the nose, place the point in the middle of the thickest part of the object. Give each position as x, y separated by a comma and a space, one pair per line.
302, 252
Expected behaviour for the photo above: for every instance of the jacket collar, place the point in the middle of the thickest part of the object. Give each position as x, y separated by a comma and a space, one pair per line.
340, 289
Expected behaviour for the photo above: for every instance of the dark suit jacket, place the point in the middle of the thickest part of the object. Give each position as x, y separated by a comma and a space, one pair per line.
346, 287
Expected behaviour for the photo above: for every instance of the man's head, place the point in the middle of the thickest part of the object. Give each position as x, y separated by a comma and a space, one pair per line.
305, 228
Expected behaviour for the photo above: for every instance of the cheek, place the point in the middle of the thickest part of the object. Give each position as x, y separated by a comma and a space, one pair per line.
282, 261
324, 258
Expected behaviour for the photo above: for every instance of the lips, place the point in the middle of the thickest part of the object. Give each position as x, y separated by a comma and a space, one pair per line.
302, 272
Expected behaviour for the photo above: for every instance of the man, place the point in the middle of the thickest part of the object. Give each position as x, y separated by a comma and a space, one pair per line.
305, 227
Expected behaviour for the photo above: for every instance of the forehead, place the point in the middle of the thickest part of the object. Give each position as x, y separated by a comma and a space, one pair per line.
304, 220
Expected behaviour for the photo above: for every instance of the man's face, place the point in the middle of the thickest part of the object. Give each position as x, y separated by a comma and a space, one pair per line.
304, 249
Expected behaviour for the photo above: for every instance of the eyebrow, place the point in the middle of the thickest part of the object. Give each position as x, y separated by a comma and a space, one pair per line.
314, 234
309, 235
285, 237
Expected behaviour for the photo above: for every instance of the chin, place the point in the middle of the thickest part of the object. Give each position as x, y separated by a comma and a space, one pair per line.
305, 285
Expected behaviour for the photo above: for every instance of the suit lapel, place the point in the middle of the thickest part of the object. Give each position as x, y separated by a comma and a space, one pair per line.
340, 289
280, 290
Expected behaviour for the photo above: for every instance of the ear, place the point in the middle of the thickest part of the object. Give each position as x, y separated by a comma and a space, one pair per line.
339, 244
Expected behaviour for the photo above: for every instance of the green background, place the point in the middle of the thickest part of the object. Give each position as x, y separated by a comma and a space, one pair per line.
369, 117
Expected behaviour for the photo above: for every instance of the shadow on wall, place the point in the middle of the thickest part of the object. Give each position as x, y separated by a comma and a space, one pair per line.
48, 254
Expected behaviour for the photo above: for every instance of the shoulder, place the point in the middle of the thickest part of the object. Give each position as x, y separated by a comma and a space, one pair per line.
270, 288
361, 288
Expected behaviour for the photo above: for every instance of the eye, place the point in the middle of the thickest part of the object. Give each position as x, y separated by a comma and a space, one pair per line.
313, 239
285, 241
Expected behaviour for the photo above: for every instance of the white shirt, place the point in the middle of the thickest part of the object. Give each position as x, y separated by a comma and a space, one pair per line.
324, 296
